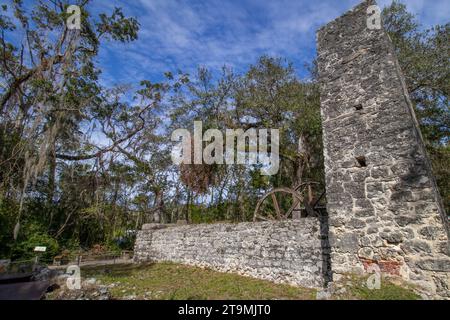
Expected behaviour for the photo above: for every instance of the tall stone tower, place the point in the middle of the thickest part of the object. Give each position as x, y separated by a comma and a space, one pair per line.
384, 207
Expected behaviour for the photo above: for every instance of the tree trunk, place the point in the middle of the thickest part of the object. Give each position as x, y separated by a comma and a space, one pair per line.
159, 206
299, 168
188, 204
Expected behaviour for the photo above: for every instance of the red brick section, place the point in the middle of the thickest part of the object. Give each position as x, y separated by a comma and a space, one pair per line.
388, 267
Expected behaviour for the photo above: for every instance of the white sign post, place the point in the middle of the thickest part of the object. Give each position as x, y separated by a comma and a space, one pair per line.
39, 250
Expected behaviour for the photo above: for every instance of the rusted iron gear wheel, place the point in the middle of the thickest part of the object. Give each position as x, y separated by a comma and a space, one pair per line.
298, 194
297, 199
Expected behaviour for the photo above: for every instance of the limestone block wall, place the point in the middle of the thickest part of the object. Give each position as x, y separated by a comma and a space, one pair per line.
383, 204
292, 252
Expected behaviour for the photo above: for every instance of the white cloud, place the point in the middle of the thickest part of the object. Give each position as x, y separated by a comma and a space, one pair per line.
177, 34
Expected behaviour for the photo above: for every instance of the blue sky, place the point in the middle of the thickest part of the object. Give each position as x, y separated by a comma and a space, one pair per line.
184, 34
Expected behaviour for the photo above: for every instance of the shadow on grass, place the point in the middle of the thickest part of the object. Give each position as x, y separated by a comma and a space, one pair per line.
116, 270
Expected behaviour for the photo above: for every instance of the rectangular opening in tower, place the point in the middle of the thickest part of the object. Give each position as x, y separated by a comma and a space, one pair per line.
361, 161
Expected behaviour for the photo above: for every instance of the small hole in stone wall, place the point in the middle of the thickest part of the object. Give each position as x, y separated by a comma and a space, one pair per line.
361, 161
358, 107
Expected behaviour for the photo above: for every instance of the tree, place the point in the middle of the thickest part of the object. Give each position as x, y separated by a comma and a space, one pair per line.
271, 95
423, 56
50, 98
267, 96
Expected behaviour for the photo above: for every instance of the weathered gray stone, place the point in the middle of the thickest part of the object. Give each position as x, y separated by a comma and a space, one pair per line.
364, 213
392, 237
363, 204
430, 233
416, 246
379, 173
345, 243
293, 251
355, 189
356, 224
337, 221
366, 253
372, 138
403, 221
372, 230
435, 265
402, 196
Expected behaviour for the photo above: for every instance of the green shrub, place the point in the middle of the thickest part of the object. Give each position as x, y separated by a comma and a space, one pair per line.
32, 236
8, 212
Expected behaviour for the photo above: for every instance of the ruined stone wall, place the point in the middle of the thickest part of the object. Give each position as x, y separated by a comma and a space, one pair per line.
283, 251
383, 203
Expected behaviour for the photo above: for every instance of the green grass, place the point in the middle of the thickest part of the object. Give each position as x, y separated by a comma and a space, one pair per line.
388, 291
356, 289
168, 281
